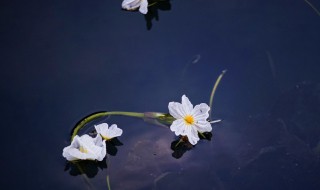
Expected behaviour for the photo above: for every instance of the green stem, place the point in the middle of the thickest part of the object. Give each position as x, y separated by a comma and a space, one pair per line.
214, 90
180, 141
202, 135
108, 183
152, 4
97, 115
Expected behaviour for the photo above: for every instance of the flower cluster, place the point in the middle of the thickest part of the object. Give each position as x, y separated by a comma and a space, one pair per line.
86, 147
185, 121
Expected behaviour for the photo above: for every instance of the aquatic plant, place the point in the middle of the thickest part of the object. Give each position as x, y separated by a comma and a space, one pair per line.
189, 120
85, 148
106, 132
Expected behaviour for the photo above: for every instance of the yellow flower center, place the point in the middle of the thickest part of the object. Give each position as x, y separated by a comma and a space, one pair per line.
106, 138
189, 120
83, 150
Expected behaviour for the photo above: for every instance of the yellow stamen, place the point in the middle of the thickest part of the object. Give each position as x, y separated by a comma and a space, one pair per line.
83, 150
189, 120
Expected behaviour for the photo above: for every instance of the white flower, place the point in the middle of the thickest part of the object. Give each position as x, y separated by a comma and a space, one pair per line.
189, 120
85, 148
134, 4
108, 132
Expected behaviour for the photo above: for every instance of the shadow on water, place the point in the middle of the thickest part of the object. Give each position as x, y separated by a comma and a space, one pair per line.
154, 6
112, 146
182, 145
87, 167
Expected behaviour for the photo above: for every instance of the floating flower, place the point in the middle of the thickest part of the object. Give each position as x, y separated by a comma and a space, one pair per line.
189, 120
131, 5
85, 148
107, 132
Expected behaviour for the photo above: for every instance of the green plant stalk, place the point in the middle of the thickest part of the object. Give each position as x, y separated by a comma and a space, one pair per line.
152, 4
108, 183
97, 115
159, 118
214, 90
202, 135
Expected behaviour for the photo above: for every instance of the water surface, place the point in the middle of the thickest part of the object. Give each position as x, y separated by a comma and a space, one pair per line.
62, 60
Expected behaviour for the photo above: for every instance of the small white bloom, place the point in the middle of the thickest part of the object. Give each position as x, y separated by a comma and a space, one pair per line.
108, 132
189, 120
85, 148
131, 5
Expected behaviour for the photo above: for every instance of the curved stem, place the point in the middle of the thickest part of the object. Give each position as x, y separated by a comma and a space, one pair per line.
97, 115
214, 90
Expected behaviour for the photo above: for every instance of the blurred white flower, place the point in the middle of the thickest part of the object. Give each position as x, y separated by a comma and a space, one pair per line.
189, 120
107, 132
85, 148
131, 5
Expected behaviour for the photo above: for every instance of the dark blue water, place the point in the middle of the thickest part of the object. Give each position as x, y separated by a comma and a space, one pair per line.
62, 60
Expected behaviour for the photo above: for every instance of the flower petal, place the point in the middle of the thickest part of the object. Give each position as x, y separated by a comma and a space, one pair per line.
108, 133
178, 127
192, 135
114, 131
66, 151
201, 111
203, 126
130, 4
95, 148
101, 127
98, 141
143, 7
186, 104
101, 148
176, 110
103, 152
81, 156
67, 155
